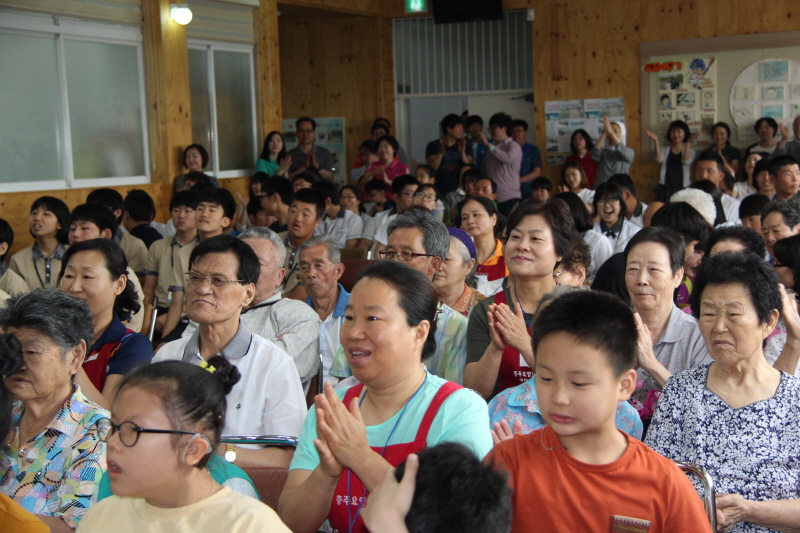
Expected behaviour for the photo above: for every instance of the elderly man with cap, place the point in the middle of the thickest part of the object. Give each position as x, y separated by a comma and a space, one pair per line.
455, 281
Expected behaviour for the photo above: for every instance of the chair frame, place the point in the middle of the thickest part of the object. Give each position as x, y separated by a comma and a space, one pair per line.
709, 501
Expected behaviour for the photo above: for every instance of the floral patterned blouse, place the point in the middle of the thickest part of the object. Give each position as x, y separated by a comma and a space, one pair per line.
520, 403
753, 451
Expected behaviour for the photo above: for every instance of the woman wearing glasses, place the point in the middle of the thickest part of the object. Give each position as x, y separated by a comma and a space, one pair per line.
269, 398
353, 435
164, 427
609, 203
54, 461
499, 354
95, 271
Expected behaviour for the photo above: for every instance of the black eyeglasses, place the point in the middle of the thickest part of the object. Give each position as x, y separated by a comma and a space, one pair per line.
129, 432
402, 256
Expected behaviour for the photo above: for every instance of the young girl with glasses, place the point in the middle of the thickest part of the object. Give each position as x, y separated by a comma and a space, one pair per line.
165, 424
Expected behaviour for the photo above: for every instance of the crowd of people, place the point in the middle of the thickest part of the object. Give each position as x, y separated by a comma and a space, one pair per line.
513, 355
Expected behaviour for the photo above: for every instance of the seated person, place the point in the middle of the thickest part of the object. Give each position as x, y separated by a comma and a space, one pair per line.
403, 408
269, 400
499, 356
515, 411
60, 449
160, 473
541, 188
39, 263
342, 224
780, 219
736, 300
134, 248
418, 496
13, 516
583, 473
609, 204
11, 283
95, 271
140, 210
573, 270
93, 221
305, 215
750, 209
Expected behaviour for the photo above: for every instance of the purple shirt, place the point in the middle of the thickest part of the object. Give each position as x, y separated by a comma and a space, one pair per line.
502, 165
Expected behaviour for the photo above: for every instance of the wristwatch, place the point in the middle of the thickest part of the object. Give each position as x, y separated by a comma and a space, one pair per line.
230, 453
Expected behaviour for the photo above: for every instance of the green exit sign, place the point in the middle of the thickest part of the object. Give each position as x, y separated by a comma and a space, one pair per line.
415, 6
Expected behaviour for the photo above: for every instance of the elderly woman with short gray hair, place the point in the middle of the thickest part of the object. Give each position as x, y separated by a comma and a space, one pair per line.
54, 461
455, 280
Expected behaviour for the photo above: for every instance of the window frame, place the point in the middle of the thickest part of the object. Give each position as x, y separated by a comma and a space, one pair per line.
209, 47
64, 28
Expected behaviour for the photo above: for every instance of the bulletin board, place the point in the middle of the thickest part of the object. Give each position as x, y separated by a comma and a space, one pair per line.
732, 57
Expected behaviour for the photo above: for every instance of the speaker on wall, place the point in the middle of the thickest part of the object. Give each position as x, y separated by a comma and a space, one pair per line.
449, 11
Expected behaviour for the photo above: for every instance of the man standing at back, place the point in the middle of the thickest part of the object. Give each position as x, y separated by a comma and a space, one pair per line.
711, 167
502, 162
445, 155
308, 157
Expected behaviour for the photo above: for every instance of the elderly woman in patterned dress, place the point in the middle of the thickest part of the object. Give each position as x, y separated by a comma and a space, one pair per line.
738, 416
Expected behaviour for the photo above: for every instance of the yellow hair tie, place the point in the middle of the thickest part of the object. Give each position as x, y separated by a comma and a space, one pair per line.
208, 367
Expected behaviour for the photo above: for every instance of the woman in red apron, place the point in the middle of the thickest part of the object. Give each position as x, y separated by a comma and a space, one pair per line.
349, 439
499, 354
95, 271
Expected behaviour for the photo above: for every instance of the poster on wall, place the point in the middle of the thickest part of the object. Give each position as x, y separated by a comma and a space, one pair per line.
329, 135
766, 88
686, 91
563, 117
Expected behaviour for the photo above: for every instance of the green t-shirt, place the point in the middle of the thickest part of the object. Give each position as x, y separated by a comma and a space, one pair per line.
269, 167
462, 418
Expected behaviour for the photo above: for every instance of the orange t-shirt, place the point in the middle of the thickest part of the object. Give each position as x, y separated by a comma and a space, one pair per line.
639, 492
15, 519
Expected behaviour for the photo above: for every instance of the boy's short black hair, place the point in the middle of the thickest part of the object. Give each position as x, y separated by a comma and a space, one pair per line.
473, 119
519, 122
596, 318
254, 206
183, 199
108, 198
97, 215
456, 493
328, 190
780, 161
752, 205
744, 236
450, 121
709, 155
541, 183
280, 185
370, 146
625, 183
401, 182
491, 182
376, 185
6, 236
221, 197
140, 206
683, 218
788, 210
196, 177
501, 120
428, 170
313, 197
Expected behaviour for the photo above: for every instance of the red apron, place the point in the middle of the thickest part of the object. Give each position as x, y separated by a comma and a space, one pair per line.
512, 373
395, 454
96, 363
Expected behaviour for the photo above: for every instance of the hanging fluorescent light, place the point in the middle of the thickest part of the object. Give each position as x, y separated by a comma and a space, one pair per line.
180, 13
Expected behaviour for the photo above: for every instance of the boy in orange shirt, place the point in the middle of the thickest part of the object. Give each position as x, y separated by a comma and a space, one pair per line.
580, 473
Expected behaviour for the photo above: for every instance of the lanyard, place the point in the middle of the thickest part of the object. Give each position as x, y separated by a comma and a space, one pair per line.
352, 519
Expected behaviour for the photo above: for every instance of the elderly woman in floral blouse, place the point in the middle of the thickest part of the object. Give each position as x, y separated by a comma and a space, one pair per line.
738, 416
54, 460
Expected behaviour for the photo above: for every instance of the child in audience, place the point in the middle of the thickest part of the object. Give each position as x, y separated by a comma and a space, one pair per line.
11, 283
609, 203
134, 248
140, 210
750, 211
541, 188
579, 472
444, 489
164, 427
40, 263
302, 181
427, 176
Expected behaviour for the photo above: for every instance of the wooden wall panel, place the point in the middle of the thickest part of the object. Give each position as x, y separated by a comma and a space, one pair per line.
268, 70
588, 49
329, 68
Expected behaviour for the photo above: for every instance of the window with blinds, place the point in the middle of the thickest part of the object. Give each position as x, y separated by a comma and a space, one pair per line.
468, 57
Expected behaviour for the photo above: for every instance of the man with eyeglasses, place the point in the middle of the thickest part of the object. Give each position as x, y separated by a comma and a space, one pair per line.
268, 400
306, 156
420, 240
403, 188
